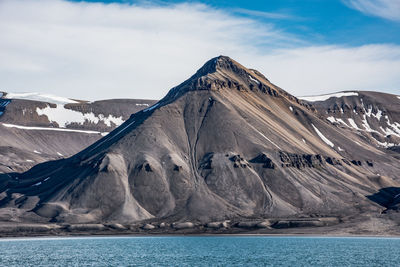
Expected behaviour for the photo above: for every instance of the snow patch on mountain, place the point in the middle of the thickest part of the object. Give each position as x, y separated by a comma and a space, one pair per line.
378, 115
331, 119
326, 140
325, 97
389, 129
394, 128
63, 116
353, 124
51, 129
254, 80
369, 113
334, 120
342, 122
41, 97
383, 144
367, 126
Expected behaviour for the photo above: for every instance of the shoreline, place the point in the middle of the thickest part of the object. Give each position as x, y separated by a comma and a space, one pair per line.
328, 227
151, 235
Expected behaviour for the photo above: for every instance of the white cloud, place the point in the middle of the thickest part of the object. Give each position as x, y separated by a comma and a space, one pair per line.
96, 51
324, 69
387, 9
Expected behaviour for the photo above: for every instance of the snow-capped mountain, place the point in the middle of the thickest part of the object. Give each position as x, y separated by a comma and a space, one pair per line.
373, 116
38, 127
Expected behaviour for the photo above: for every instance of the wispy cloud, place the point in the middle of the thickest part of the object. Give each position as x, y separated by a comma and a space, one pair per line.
387, 9
263, 14
116, 49
93, 50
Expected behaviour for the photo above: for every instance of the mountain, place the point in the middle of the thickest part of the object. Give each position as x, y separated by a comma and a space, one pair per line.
372, 115
226, 144
38, 127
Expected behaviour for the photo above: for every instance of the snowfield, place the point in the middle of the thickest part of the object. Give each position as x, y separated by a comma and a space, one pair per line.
41, 97
325, 97
64, 117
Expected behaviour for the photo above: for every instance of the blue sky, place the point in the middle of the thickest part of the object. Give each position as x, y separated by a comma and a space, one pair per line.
140, 49
315, 21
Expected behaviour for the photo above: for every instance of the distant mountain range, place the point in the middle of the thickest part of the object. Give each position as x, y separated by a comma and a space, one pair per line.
224, 150
374, 116
38, 127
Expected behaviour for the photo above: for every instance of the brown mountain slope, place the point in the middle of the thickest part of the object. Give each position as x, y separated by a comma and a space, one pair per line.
224, 144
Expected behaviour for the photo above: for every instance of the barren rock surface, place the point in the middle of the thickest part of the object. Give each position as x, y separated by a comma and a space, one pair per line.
226, 144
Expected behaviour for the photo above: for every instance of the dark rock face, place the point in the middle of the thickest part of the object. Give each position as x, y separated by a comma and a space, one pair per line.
145, 166
369, 163
356, 162
239, 162
265, 160
301, 161
333, 161
217, 147
177, 168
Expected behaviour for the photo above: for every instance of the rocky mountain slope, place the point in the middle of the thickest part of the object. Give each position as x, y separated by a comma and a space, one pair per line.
37, 127
374, 116
226, 144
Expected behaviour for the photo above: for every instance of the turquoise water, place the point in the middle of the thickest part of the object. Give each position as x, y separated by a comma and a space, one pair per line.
200, 251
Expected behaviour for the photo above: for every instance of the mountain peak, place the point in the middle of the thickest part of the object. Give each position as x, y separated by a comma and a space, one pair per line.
222, 72
215, 64
223, 65
224, 62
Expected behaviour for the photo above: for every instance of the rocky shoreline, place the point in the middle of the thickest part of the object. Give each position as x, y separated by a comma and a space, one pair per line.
187, 227
289, 226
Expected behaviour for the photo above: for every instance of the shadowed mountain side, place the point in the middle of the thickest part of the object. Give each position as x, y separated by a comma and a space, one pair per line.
388, 197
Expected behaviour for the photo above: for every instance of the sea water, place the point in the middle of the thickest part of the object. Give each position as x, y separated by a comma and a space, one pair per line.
200, 251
